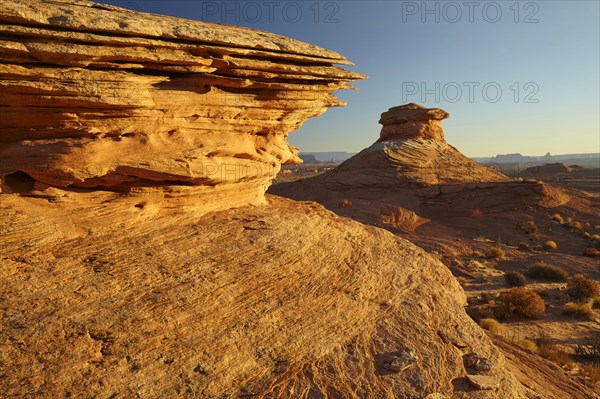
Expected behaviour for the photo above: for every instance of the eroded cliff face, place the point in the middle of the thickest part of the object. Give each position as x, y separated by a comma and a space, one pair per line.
95, 96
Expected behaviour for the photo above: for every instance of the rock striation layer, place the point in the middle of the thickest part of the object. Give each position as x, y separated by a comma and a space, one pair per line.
412, 121
99, 97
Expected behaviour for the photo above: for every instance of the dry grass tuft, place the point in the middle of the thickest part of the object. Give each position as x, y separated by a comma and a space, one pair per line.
580, 310
492, 325
547, 271
515, 279
494, 253
345, 203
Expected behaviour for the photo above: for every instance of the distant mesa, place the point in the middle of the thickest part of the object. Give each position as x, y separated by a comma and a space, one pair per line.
550, 168
308, 158
519, 158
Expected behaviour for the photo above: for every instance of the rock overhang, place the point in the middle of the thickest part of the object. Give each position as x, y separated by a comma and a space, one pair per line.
99, 97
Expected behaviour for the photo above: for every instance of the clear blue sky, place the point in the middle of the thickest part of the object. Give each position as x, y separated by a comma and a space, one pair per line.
543, 55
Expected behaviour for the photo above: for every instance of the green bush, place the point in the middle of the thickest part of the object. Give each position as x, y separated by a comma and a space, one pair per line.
547, 271
515, 279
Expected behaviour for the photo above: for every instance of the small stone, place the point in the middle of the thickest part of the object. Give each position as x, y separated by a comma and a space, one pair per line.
479, 363
400, 363
483, 382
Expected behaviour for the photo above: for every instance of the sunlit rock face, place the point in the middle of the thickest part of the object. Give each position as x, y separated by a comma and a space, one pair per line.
99, 97
412, 121
411, 152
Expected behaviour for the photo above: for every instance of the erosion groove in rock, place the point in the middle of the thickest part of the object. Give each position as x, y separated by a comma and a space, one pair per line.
96, 96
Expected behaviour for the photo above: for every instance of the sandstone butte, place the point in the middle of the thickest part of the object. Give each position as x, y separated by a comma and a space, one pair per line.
415, 184
129, 270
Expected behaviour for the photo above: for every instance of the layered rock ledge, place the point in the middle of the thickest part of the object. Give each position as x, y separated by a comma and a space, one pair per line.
412, 121
100, 97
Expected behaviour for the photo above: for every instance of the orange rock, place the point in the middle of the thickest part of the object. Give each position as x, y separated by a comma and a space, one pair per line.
98, 97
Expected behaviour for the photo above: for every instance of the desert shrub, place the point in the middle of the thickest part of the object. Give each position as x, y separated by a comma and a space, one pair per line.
487, 297
555, 354
572, 224
501, 312
550, 245
494, 253
579, 310
491, 325
477, 313
585, 234
477, 254
596, 237
558, 218
582, 288
345, 203
521, 300
529, 227
515, 279
589, 349
591, 252
550, 351
547, 271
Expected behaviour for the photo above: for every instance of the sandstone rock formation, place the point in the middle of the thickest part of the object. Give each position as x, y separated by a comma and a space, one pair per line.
411, 152
101, 298
95, 96
114, 294
413, 183
412, 121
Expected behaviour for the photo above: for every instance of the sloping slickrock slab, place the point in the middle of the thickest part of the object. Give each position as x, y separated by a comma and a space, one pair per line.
101, 297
